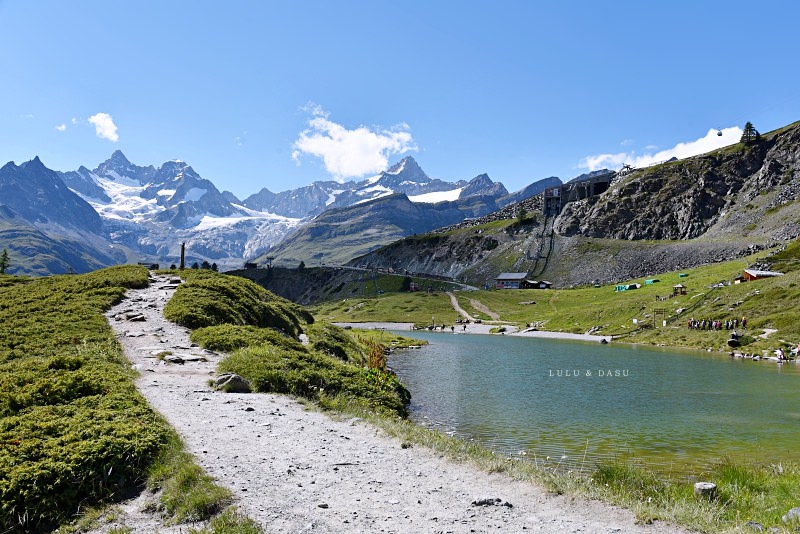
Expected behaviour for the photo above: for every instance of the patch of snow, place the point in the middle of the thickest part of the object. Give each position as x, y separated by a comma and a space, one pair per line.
254, 214
374, 179
375, 188
409, 182
438, 196
194, 194
123, 180
398, 171
166, 193
332, 196
385, 193
209, 221
126, 202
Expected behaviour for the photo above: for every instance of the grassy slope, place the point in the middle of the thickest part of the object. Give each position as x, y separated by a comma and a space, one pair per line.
768, 303
230, 313
73, 428
74, 431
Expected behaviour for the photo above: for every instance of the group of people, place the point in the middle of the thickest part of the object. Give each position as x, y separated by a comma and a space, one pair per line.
717, 324
793, 353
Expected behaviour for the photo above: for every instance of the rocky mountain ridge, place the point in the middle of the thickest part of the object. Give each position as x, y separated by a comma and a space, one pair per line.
725, 204
686, 199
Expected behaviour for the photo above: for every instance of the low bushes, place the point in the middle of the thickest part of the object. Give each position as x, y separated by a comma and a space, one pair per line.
228, 338
73, 429
208, 299
318, 377
232, 314
334, 341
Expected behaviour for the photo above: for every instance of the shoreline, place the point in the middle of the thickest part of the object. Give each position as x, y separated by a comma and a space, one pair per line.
477, 328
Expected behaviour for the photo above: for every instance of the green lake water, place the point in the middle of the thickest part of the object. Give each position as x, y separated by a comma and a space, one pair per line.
578, 403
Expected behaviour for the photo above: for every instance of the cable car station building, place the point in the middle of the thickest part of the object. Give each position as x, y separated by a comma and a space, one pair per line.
556, 197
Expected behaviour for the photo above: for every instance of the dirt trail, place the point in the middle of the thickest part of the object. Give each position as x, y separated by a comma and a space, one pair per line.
481, 307
294, 470
457, 307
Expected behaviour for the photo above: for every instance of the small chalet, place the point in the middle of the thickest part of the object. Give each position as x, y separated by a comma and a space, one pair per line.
510, 280
753, 274
536, 284
678, 289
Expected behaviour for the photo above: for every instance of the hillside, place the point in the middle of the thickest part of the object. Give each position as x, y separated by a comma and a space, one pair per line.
721, 205
736, 192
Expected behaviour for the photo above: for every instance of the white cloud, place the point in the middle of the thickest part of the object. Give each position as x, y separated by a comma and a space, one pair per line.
711, 141
75, 120
104, 127
61, 127
350, 153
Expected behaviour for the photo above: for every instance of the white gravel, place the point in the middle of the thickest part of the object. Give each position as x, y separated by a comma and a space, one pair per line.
295, 470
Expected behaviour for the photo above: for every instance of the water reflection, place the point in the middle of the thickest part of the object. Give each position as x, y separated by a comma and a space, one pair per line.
590, 402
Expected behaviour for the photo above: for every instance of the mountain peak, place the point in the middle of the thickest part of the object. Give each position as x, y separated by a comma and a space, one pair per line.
119, 158
35, 163
408, 164
483, 185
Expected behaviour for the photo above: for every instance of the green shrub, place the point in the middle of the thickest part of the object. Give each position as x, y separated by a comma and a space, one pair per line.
209, 299
234, 314
228, 338
336, 342
317, 377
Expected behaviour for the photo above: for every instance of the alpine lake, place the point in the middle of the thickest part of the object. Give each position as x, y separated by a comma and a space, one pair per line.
578, 404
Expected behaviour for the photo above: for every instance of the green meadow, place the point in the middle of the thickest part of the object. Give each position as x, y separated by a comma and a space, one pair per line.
633, 315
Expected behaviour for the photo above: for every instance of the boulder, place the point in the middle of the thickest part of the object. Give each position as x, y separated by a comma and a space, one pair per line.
792, 516
706, 490
232, 383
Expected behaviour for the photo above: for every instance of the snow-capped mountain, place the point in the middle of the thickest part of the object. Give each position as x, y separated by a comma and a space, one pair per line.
154, 210
406, 176
145, 213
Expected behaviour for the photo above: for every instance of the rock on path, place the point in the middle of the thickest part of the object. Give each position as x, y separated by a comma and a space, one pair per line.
294, 470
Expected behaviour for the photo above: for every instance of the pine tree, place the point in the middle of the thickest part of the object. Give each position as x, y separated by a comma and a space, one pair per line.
4, 261
750, 135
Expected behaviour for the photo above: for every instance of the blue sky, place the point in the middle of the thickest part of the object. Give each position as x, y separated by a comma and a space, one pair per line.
278, 94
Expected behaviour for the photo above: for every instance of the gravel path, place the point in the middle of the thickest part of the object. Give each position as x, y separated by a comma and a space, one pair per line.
295, 470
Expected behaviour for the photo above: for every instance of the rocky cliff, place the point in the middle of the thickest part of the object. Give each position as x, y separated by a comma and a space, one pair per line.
688, 198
